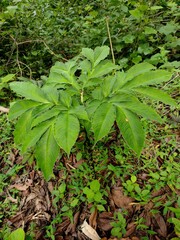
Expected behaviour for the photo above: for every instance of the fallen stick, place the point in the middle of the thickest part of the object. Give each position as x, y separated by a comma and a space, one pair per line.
4, 110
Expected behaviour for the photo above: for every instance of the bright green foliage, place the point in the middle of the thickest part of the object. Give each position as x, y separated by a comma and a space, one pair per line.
176, 223
86, 92
36, 33
119, 225
18, 234
5, 80
95, 195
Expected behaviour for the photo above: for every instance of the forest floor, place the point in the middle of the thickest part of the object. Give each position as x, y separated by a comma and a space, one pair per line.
107, 188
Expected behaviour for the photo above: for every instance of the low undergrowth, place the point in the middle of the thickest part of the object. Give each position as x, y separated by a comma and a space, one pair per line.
118, 194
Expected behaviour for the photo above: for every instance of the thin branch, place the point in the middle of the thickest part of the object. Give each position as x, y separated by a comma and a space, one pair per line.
30, 71
109, 34
45, 44
17, 55
110, 41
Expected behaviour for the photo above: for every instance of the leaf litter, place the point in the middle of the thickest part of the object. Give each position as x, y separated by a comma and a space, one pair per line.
35, 205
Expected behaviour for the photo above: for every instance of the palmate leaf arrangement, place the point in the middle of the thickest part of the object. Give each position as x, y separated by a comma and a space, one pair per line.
52, 116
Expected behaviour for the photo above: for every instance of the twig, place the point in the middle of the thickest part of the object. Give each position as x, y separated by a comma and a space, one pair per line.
45, 44
17, 55
30, 71
109, 35
4, 110
110, 41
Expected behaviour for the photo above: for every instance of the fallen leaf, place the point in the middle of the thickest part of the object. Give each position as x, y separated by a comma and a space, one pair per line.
104, 221
120, 199
131, 227
19, 186
93, 218
160, 223
89, 231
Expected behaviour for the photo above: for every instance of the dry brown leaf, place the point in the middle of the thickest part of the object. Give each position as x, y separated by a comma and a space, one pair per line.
104, 221
131, 227
72, 226
120, 199
135, 238
19, 186
63, 226
93, 219
162, 228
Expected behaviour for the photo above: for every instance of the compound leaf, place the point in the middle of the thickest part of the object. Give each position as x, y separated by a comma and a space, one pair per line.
100, 53
102, 69
29, 91
22, 127
66, 131
45, 116
20, 107
138, 69
103, 120
142, 110
148, 78
156, 94
131, 129
46, 153
88, 53
34, 135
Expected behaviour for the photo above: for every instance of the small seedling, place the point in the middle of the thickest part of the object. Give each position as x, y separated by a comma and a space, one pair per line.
119, 225
95, 195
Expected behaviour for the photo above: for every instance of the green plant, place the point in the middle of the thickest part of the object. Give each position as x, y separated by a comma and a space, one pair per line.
87, 93
176, 223
18, 234
95, 195
119, 225
5, 80
133, 188
35, 34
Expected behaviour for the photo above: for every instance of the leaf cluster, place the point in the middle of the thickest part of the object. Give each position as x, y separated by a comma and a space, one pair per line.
87, 92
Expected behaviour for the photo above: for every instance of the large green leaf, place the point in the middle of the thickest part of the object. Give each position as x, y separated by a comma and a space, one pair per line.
46, 153
80, 112
29, 91
131, 129
123, 97
18, 234
7, 78
22, 127
100, 53
56, 78
137, 70
92, 106
38, 110
66, 98
102, 69
156, 94
148, 78
120, 81
35, 134
45, 116
65, 71
107, 85
103, 120
66, 131
88, 53
20, 107
141, 109
96, 56
51, 93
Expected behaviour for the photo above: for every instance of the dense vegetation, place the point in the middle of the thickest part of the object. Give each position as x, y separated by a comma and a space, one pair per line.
82, 121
